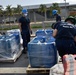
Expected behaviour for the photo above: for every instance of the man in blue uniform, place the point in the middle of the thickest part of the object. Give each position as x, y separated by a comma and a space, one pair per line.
58, 18
65, 34
24, 25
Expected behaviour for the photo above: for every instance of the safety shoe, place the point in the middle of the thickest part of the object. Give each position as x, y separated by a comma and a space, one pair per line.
24, 51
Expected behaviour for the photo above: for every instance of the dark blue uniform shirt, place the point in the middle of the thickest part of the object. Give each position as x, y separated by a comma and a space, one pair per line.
56, 24
58, 17
24, 23
65, 31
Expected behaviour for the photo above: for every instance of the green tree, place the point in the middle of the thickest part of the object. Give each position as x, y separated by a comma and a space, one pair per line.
43, 9
2, 13
1, 7
9, 12
19, 9
14, 12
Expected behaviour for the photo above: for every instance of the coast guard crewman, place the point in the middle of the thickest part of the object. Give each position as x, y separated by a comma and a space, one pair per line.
65, 34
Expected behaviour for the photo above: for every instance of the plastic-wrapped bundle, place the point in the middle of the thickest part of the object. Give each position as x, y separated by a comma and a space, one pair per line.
17, 38
2, 44
10, 45
46, 32
49, 32
15, 32
40, 33
50, 39
38, 39
42, 53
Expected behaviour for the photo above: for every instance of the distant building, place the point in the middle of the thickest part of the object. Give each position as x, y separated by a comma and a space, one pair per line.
35, 15
33, 11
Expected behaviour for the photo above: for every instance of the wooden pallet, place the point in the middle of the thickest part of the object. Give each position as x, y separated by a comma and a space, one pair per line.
12, 70
30, 70
13, 59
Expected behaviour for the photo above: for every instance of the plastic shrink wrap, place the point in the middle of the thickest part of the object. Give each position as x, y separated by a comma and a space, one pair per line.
9, 45
44, 32
41, 52
17, 32
40, 32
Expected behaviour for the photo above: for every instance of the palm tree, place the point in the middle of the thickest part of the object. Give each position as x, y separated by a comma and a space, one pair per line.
1, 9
43, 9
13, 13
4, 15
54, 6
19, 9
1, 14
9, 12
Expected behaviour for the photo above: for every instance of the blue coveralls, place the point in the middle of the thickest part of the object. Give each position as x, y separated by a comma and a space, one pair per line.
65, 39
25, 30
58, 20
58, 17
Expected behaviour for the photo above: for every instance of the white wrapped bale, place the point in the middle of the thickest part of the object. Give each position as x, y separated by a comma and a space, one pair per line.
57, 70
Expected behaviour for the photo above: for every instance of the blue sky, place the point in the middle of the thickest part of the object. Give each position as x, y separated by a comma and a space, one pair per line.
14, 3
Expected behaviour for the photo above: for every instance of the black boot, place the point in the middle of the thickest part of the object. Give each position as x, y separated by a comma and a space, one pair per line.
24, 51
